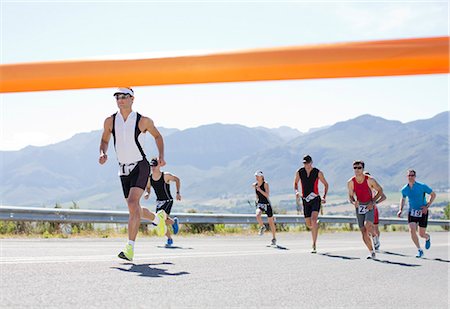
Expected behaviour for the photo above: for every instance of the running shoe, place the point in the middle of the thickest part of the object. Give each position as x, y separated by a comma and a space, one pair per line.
371, 256
313, 249
419, 254
274, 242
169, 242
161, 228
262, 229
128, 253
428, 243
175, 226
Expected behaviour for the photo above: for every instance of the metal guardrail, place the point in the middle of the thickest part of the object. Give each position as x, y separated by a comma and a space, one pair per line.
14, 213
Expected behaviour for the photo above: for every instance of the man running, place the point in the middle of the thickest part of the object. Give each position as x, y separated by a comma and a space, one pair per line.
160, 181
376, 231
418, 209
128, 129
263, 205
309, 177
362, 185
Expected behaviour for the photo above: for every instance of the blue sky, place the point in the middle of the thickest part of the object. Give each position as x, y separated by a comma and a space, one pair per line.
45, 31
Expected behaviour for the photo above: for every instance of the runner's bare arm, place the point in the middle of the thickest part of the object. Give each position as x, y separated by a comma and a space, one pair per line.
296, 180
104, 142
402, 204
169, 177
375, 185
433, 196
148, 189
381, 199
147, 125
351, 193
325, 185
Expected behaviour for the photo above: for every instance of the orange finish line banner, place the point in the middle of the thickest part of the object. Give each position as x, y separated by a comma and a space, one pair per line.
357, 59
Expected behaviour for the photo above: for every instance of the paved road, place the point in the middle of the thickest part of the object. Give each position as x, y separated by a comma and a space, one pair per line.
225, 271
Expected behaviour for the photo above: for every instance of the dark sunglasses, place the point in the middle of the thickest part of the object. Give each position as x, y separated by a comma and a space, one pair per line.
357, 167
122, 96
411, 175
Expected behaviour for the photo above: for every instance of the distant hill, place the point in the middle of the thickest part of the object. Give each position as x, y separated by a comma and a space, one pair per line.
219, 160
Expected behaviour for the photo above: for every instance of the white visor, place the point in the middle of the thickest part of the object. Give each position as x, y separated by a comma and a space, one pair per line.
124, 91
259, 173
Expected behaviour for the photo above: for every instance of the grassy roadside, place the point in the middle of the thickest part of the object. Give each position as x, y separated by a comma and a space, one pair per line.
45, 230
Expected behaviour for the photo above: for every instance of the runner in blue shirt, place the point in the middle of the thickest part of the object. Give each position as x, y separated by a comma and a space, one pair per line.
418, 209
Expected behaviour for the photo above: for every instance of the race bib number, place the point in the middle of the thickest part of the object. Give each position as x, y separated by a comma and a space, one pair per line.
160, 204
415, 213
362, 209
126, 169
262, 206
310, 197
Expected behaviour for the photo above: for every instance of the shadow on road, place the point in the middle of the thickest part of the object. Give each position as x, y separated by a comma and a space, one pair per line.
145, 270
277, 247
394, 253
175, 247
424, 258
339, 256
437, 259
396, 263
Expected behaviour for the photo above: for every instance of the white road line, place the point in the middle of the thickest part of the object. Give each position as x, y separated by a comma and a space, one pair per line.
156, 256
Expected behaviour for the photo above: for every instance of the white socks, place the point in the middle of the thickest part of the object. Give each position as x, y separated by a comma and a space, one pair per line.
131, 242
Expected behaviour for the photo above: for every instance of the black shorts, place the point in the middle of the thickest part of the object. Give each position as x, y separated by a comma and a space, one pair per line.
164, 205
309, 207
423, 221
137, 178
266, 208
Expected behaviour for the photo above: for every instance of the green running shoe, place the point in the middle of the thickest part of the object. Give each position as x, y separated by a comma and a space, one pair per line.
127, 254
161, 228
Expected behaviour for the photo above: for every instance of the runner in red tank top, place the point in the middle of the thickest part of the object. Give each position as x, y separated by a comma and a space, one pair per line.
362, 185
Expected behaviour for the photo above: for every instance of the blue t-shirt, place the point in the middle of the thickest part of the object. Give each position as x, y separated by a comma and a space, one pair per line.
416, 195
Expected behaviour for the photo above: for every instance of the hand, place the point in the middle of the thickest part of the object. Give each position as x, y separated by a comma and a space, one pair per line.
399, 213
324, 200
146, 195
424, 209
161, 161
178, 197
102, 159
370, 206
297, 194
356, 204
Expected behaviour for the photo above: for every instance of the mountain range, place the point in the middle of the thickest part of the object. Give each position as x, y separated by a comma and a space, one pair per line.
219, 160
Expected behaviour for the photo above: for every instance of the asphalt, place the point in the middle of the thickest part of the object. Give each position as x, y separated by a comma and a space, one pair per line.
225, 272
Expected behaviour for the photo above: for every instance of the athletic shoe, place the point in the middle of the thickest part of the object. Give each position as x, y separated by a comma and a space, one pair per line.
419, 254
128, 253
313, 249
262, 229
428, 243
175, 226
161, 228
274, 242
372, 256
169, 242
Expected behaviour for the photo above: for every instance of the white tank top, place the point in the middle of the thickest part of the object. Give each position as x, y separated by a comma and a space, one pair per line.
124, 133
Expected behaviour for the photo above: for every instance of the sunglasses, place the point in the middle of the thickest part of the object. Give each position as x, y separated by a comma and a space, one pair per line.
357, 167
411, 175
122, 96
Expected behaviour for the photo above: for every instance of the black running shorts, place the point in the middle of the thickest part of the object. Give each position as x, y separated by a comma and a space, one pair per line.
164, 205
309, 207
137, 178
266, 208
423, 220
